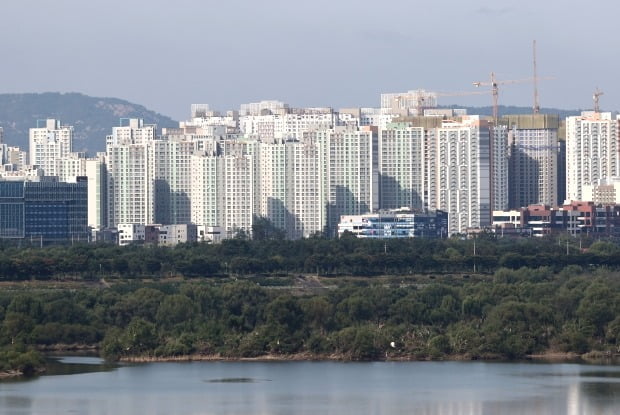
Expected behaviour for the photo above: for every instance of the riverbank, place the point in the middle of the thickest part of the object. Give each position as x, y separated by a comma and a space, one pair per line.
547, 356
6, 374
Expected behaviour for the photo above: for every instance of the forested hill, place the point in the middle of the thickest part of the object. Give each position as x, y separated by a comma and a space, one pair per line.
91, 117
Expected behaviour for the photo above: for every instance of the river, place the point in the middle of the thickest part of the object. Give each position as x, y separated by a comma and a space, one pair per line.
82, 385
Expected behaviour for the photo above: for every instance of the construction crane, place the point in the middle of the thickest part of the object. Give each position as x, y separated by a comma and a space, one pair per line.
536, 107
595, 96
494, 84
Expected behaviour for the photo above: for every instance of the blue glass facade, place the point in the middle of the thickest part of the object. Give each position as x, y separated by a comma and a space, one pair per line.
47, 211
12, 210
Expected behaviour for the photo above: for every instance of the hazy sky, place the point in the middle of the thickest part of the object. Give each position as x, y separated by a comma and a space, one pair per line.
168, 54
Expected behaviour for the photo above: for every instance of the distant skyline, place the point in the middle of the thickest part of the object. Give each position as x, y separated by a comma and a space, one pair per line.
168, 55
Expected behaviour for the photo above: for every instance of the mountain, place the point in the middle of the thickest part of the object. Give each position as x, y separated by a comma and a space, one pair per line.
91, 117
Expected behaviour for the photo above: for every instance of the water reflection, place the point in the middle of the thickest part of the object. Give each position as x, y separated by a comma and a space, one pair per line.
278, 388
73, 365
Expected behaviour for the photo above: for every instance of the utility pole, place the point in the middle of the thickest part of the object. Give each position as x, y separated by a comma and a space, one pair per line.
474, 254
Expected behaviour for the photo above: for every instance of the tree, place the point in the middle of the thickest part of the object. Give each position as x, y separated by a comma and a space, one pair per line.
174, 310
263, 229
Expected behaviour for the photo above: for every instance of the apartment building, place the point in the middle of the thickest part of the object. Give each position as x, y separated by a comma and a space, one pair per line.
49, 142
591, 151
533, 159
402, 166
459, 172
130, 184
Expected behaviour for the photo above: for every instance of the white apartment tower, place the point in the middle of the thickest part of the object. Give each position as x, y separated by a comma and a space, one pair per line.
591, 151
459, 172
206, 189
272, 186
70, 167
238, 188
306, 195
402, 166
410, 102
350, 171
170, 171
49, 143
130, 184
223, 187
97, 191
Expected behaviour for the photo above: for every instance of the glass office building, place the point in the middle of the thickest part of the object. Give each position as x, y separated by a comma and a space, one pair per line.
46, 211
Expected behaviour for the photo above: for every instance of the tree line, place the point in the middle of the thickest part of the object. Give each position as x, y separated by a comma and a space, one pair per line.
320, 256
509, 314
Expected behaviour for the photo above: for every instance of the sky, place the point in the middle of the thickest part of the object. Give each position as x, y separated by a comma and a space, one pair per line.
169, 54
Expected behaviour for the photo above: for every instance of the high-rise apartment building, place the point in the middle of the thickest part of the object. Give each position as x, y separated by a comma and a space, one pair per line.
16, 157
499, 167
350, 176
71, 166
410, 102
130, 184
272, 184
96, 174
533, 159
591, 151
49, 143
223, 187
287, 122
459, 172
170, 164
402, 166
306, 200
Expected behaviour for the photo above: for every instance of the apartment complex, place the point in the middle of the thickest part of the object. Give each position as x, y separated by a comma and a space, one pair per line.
591, 151
305, 168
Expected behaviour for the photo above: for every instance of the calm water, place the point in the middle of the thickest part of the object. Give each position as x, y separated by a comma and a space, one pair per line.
437, 388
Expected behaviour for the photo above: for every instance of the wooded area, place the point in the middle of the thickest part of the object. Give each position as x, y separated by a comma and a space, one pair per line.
411, 299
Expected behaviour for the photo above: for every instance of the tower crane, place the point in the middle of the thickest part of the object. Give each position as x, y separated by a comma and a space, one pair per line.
494, 83
595, 96
536, 107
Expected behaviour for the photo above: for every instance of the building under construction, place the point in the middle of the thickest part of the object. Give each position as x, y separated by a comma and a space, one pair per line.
533, 159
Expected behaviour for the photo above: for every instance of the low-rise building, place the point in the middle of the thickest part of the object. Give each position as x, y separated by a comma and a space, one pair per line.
396, 224
574, 218
130, 233
175, 234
